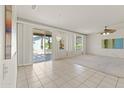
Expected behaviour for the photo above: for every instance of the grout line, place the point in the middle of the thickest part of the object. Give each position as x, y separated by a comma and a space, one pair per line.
26, 77
38, 79
53, 81
100, 71
100, 82
84, 85
76, 76
62, 78
97, 70
116, 83
87, 79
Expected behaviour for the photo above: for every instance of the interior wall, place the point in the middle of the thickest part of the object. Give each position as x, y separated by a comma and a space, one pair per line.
1, 43
8, 68
94, 45
25, 32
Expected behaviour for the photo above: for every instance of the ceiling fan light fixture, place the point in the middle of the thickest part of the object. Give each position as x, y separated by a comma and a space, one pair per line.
103, 33
107, 33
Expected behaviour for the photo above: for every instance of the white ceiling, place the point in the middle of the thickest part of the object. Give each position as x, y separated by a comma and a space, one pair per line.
84, 19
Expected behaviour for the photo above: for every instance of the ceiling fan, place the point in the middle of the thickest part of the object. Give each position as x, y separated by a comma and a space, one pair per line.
107, 31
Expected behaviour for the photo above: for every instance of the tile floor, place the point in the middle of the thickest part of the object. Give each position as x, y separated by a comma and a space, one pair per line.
110, 65
41, 57
64, 74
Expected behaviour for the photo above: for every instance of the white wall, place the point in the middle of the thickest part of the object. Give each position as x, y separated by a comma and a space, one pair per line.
1, 43
94, 44
25, 32
8, 70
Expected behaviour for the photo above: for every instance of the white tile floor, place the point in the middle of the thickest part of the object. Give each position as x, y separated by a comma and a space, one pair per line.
64, 74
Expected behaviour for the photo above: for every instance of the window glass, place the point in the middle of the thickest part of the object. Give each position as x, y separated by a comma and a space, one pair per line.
78, 43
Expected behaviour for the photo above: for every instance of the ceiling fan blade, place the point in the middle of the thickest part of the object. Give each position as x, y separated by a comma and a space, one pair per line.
112, 30
109, 30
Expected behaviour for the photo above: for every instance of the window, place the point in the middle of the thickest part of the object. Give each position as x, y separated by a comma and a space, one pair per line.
79, 43
61, 42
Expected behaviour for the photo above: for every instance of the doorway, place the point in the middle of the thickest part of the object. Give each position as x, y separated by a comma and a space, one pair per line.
42, 46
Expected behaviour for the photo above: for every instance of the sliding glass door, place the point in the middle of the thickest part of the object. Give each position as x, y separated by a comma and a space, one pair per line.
42, 47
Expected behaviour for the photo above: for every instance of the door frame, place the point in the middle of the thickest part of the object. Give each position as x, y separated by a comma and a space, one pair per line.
39, 31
